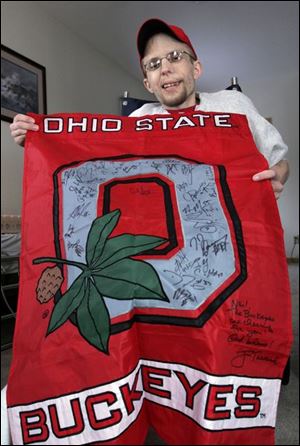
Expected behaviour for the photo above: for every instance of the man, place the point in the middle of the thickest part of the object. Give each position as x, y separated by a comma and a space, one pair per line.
171, 68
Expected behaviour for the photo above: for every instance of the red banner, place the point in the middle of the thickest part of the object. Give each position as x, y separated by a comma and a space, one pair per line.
154, 287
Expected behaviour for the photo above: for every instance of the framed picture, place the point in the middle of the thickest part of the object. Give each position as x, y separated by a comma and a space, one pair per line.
23, 85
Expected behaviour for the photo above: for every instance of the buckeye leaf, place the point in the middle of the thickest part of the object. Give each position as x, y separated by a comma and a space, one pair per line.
130, 279
127, 245
101, 228
93, 318
68, 303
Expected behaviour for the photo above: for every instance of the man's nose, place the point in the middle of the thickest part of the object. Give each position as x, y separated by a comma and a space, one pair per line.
166, 66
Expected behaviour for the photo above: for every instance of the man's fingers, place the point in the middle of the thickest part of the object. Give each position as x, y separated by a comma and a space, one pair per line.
18, 132
23, 118
277, 186
269, 174
21, 125
264, 175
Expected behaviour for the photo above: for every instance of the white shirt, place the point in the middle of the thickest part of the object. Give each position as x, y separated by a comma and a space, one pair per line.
267, 139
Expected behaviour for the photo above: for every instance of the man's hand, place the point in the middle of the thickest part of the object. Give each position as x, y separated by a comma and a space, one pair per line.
278, 174
19, 127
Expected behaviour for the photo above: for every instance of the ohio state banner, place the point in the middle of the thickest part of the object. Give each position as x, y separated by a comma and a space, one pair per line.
154, 288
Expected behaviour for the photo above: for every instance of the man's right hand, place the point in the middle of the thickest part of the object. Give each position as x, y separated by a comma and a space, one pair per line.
19, 127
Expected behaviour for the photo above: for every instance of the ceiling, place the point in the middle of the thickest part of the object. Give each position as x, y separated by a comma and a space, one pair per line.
251, 40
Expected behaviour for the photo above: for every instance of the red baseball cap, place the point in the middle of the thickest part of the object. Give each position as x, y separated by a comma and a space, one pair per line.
155, 26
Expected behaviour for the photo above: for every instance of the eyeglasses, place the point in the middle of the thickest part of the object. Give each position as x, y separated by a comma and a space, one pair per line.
172, 57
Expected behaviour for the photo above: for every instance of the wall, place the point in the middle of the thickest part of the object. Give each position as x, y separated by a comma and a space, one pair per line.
278, 97
79, 79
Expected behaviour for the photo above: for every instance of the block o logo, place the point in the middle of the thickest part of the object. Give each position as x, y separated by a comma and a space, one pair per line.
186, 203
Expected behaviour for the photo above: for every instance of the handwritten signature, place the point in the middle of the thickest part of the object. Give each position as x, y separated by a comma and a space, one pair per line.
184, 295
80, 211
239, 360
198, 242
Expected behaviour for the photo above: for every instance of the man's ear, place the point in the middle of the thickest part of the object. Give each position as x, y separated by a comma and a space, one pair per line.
147, 85
197, 69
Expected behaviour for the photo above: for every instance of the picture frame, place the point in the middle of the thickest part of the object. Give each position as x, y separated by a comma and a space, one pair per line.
23, 85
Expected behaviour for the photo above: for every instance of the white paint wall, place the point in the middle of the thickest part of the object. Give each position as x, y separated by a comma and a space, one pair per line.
79, 79
278, 97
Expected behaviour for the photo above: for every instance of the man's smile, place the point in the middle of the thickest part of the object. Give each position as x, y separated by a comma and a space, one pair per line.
170, 85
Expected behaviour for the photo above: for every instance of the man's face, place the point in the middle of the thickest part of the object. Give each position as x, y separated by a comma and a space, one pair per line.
173, 84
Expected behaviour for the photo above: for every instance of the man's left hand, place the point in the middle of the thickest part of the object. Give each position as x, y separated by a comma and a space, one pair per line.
270, 175
278, 174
